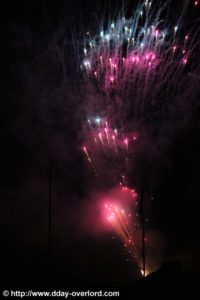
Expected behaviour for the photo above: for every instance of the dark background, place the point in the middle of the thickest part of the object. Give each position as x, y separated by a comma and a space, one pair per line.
40, 130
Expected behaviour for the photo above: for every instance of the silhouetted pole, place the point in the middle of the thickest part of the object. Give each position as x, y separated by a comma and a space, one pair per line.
143, 241
143, 230
49, 222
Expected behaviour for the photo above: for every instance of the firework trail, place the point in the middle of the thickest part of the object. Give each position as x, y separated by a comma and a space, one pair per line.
139, 67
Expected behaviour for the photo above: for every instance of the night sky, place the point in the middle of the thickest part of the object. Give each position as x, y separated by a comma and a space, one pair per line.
42, 115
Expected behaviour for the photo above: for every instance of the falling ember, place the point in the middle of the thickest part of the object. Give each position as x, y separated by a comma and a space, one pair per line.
86, 152
112, 79
184, 61
89, 122
126, 143
89, 159
175, 29
85, 51
106, 131
98, 120
100, 137
85, 149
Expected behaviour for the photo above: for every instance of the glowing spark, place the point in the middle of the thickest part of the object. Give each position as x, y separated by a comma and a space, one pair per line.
175, 29
113, 26
174, 48
98, 120
106, 131
107, 37
112, 79
87, 64
126, 143
86, 152
184, 61
142, 272
85, 51
100, 137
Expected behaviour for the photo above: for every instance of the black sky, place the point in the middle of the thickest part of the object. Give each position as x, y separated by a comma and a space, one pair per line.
40, 129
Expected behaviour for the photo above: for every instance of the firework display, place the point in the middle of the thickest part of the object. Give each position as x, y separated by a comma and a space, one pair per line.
144, 61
